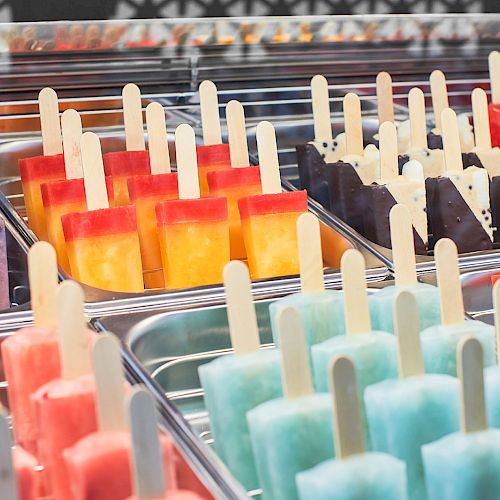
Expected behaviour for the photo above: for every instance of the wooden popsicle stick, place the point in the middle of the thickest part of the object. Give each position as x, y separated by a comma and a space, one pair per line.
451, 141
71, 125
496, 309
418, 128
403, 249
471, 376
347, 429
268, 158
147, 460
241, 316
353, 125
321, 109
439, 94
159, 155
237, 132
385, 100
448, 279
310, 254
93, 173
187, 163
388, 147
356, 311
8, 481
110, 384
494, 67
295, 370
42, 271
74, 352
210, 120
49, 122
407, 329
482, 133
132, 118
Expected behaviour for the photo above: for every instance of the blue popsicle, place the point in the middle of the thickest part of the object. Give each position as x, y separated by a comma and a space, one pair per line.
417, 409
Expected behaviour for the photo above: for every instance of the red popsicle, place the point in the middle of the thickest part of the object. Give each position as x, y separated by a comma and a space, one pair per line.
494, 107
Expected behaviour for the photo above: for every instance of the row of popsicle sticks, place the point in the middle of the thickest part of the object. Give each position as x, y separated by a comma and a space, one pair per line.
297, 385
82, 409
181, 256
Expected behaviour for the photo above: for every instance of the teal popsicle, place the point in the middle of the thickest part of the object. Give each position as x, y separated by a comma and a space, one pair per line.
465, 465
293, 433
373, 352
427, 296
354, 474
321, 310
415, 410
439, 343
236, 383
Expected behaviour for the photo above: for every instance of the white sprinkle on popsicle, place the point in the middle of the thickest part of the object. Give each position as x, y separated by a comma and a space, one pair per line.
353, 125
268, 158
93, 173
187, 163
8, 481
210, 120
49, 121
159, 155
71, 125
385, 101
237, 132
416, 104
321, 109
310, 254
439, 94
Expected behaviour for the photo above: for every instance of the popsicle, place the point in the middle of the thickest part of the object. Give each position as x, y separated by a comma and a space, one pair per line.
458, 202
39, 169
146, 191
354, 474
4, 269
439, 342
427, 296
292, 433
390, 189
121, 165
313, 158
213, 155
236, 182
102, 243
416, 409
372, 352
31, 356
492, 373
321, 310
269, 220
193, 231
18, 480
65, 407
150, 481
236, 383
465, 464
494, 107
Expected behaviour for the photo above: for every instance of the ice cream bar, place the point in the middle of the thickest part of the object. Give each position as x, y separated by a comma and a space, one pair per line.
407, 189
40, 169
65, 407
416, 409
427, 296
458, 202
31, 356
269, 220
494, 107
492, 373
213, 155
354, 473
121, 165
236, 182
102, 243
439, 342
321, 310
146, 191
237, 383
293, 433
372, 352
465, 464
193, 231
4, 269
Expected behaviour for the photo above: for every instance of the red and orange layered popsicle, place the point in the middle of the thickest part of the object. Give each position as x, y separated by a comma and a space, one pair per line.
269, 220
494, 107
236, 182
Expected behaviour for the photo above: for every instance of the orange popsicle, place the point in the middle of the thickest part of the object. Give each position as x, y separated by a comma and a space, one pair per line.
269, 220
193, 231
147, 190
121, 165
40, 169
236, 182
213, 155
102, 244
